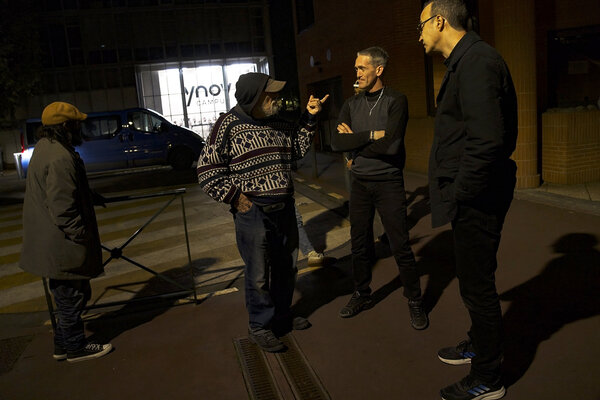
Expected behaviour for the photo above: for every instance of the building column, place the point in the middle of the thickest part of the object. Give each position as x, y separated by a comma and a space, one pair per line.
514, 31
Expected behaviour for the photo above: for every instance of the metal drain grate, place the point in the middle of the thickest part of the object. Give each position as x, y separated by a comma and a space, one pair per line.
257, 374
302, 378
10, 351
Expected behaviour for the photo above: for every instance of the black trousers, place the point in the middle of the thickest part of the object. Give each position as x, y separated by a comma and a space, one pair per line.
70, 297
389, 199
476, 241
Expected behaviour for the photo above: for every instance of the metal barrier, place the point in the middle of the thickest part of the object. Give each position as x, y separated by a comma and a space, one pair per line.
117, 253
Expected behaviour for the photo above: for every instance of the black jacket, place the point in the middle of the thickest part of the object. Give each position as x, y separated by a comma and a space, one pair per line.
475, 133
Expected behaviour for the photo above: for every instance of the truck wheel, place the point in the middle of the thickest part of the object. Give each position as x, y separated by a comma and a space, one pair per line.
181, 159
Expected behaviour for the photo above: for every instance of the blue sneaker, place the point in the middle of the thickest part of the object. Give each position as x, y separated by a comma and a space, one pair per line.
470, 388
461, 354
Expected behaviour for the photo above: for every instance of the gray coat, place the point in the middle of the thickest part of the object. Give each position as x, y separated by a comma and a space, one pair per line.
60, 232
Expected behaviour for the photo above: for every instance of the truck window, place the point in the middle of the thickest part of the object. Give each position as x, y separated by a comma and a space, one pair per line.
100, 127
144, 122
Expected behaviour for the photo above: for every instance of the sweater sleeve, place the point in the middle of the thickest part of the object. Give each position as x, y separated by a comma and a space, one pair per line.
303, 135
395, 129
348, 141
213, 165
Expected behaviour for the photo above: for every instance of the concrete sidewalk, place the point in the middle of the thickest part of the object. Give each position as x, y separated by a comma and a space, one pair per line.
548, 280
325, 171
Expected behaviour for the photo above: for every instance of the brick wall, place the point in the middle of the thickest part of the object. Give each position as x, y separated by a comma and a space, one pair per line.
576, 13
345, 27
571, 147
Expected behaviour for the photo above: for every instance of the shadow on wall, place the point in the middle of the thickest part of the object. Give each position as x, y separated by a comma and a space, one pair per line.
567, 290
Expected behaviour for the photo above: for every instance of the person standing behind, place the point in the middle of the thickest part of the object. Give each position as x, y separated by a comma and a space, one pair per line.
471, 182
60, 232
372, 124
313, 257
246, 163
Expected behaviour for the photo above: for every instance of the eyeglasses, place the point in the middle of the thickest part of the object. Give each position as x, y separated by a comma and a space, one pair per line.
422, 24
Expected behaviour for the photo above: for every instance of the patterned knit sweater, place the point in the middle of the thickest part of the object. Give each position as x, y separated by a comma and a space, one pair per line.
254, 157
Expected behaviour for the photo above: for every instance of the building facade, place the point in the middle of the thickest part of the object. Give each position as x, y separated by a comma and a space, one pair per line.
551, 48
181, 58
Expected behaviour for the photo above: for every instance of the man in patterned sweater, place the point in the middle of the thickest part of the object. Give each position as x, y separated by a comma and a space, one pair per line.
246, 163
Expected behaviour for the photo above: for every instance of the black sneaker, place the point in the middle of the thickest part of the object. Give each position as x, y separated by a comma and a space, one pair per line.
266, 340
461, 354
356, 304
300, 323
470, 388
89, 352
59, 353
418, 316
283, 327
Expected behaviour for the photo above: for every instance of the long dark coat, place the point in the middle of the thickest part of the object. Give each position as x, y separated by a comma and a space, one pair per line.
475, 133
60, 232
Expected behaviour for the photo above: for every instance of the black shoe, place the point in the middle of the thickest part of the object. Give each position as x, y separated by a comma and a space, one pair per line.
59, 353
89, 352
356, 304
418, 316
266, 340
470, 388
283, 327
300, 323
461, 354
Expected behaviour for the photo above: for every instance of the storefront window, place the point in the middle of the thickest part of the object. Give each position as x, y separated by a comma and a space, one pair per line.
195, 95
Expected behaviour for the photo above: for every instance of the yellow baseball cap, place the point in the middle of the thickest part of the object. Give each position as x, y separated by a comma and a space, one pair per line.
59, 112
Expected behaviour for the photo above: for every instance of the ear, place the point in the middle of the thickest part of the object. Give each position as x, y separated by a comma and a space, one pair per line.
379, 70
440, 23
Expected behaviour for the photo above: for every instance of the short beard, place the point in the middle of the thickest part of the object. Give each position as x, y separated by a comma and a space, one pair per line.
271, 110
76, 138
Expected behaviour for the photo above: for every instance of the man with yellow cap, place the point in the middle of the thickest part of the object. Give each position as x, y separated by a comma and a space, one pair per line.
60, 232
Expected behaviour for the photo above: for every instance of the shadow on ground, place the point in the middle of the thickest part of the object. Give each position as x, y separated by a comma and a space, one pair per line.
322, 286
436, 259
152, 300
566, 290
318, 226
417, 209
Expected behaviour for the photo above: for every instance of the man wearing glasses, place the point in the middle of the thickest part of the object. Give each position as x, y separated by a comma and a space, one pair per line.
471, 182
246, 163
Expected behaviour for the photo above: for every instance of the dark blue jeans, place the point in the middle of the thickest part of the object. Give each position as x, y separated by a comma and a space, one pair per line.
389, 198
476, 241
70, 297
268, 244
